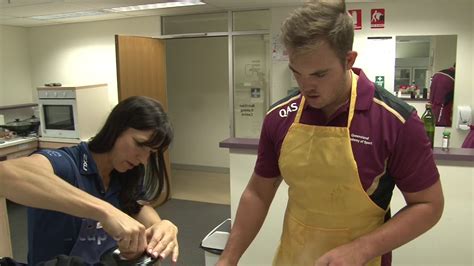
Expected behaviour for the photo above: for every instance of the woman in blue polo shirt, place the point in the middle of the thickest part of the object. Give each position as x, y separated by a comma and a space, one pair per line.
123, 165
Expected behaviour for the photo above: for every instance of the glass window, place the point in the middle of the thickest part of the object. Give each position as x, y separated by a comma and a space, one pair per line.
251, 20
200, 23
251, 65
420, 77
402, 78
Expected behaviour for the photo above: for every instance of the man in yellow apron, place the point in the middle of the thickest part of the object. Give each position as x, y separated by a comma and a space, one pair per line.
341, 144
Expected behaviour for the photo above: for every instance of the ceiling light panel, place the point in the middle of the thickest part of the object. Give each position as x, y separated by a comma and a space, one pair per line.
168, 4
69, 15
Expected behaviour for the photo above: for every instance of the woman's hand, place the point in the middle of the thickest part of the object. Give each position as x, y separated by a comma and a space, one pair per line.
129, 233
162, 240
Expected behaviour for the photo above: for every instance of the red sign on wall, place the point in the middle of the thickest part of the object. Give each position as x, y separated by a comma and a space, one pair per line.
356, 15
377, 18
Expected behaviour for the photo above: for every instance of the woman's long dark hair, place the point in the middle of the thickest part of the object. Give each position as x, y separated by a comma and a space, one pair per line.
140, 183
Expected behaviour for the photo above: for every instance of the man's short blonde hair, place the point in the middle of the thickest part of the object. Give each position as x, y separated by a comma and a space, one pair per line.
317, 22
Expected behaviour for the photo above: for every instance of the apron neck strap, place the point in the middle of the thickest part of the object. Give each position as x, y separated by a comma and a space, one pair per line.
300, 109
352, 103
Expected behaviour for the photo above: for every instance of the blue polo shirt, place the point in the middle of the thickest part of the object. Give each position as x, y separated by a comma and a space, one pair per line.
53, 233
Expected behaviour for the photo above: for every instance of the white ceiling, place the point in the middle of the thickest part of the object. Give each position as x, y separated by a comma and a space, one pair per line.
19, 12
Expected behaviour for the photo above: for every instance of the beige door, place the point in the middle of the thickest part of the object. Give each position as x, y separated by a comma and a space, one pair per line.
141, 70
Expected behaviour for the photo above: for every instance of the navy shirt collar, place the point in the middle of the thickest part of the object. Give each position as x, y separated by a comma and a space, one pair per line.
87, 164
88, 167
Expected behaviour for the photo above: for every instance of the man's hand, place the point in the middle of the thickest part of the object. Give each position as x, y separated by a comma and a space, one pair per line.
162, 240
223, 262
351, 254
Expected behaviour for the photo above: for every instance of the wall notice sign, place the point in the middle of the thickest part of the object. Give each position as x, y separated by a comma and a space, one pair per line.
247, 109
255, 92
356, 15
380, 81
279, 52
377, 18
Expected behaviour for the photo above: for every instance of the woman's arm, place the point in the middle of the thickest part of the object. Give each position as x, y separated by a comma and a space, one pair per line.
31, 181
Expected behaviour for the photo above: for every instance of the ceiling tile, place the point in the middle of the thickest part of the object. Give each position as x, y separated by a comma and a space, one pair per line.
18, 3
23, 22
42, 9
173, 11
27, 8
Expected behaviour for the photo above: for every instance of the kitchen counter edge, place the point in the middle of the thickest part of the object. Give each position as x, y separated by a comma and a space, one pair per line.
453, 154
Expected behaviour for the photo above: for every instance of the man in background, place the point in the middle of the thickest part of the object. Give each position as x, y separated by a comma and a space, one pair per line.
442, 94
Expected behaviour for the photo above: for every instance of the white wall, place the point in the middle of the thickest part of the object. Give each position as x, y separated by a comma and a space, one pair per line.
444, 56
15, 76
83, 53
450, 242
198, 100
446, 17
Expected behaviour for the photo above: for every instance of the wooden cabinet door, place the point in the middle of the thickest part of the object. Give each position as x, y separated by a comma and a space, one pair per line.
5, 242
141, 67
141, 70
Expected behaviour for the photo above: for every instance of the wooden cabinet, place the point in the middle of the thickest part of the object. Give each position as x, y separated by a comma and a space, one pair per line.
21, 149
55, 144
5, 243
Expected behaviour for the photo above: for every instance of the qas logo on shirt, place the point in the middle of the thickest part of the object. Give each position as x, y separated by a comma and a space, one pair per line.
290, 108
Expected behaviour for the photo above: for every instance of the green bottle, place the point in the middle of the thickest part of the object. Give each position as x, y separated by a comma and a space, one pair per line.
429, 122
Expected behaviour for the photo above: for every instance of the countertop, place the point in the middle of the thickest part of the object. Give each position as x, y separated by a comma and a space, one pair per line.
60, 140
17, 141
453, 154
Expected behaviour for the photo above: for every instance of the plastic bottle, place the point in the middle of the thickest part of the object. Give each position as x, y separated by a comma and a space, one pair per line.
445, 142
429, 122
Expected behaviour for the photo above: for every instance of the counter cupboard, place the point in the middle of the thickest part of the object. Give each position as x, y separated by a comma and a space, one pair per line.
14, 149
25, 146
10, 150
18, 148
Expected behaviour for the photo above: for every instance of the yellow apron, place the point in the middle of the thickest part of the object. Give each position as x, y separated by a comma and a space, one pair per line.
327, 205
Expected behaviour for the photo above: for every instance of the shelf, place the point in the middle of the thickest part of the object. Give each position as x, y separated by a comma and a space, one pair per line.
414, 100
17, 106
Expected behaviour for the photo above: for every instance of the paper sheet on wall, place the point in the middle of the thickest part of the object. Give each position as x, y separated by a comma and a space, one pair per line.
278, 49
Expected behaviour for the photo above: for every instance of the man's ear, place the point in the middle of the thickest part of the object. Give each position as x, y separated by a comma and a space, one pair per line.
350, 59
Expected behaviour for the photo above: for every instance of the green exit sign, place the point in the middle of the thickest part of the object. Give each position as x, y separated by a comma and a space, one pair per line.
380, 80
